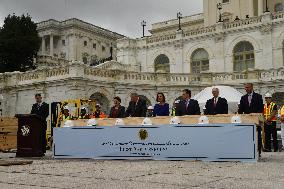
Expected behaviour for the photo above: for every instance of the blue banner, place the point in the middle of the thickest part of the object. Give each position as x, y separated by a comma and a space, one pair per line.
221, 142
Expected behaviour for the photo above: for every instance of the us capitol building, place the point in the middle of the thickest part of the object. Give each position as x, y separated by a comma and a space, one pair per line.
75, 58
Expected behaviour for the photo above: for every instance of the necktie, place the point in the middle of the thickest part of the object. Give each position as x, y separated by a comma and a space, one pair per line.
186, 105
249, 99
38, 106
215, 102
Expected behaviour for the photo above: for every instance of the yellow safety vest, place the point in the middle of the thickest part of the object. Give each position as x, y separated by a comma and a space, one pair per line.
64, 118
268, 110
174, 112
82, 117
282, 111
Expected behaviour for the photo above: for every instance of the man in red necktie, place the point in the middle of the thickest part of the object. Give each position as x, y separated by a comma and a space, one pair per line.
216, 105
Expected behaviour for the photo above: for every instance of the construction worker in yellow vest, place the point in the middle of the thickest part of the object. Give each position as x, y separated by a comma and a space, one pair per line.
175, 107
282, 126
270, 113
65, 116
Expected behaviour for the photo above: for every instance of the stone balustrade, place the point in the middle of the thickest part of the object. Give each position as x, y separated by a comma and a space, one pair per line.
242, 23
48, 61
200, 31
272, 75
145, 77
228, 26
78, 23
113, 65
48, 23
173, 22
155, 39
227, 78
75, 70
278, 15
57, 72
41, 75
184, 78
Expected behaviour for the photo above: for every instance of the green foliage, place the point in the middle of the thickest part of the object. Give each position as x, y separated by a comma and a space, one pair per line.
19, 43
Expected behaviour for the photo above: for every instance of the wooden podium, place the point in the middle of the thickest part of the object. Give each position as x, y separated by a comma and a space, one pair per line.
29, 139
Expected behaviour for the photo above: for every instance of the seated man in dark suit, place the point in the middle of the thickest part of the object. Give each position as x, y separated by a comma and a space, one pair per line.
252, 103
137, 107
187, 106
216, 105
41, 109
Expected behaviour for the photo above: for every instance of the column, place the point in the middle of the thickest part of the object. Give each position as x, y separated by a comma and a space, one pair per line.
43, 45
251, 8
51, 45
178, 65
260, 7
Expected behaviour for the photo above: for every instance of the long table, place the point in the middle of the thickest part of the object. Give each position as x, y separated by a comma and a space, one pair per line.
209, 142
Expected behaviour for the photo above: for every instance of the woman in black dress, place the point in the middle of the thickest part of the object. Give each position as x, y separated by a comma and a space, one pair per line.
117, 111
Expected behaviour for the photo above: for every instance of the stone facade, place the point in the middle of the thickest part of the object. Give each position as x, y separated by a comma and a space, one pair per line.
227, 53
75, 39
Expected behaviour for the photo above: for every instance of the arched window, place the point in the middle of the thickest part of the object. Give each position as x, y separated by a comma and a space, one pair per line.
162, 63
243, 56
199, 61
278, 7
101, 99
148, 102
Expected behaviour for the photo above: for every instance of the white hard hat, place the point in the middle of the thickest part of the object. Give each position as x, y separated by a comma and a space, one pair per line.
146, 121
83, 108
174, 121
236, 119
68, 123
268, 95
66, 108
203, 120
177, 101
119, 122
98, 105
150, 108
92, 122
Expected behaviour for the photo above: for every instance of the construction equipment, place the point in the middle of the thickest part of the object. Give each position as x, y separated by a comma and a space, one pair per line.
74, 106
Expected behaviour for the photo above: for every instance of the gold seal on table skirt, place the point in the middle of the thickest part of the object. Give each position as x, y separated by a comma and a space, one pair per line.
143, 134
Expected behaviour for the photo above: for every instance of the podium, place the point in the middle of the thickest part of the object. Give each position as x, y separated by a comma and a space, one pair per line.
29, 140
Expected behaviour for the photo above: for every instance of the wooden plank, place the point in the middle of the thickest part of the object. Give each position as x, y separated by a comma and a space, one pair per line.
7, 147
9, 163
8, 142
8, 133
8, 121
10, 129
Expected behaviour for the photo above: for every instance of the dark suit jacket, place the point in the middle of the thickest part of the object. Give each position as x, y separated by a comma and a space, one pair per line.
138, 110
121, 112
192, 109
221, 107
43, 111
256, 105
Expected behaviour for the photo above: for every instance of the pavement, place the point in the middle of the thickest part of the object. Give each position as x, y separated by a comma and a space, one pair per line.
62, 174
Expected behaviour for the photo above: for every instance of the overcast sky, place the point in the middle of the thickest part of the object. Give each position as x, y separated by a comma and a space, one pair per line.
122, 16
